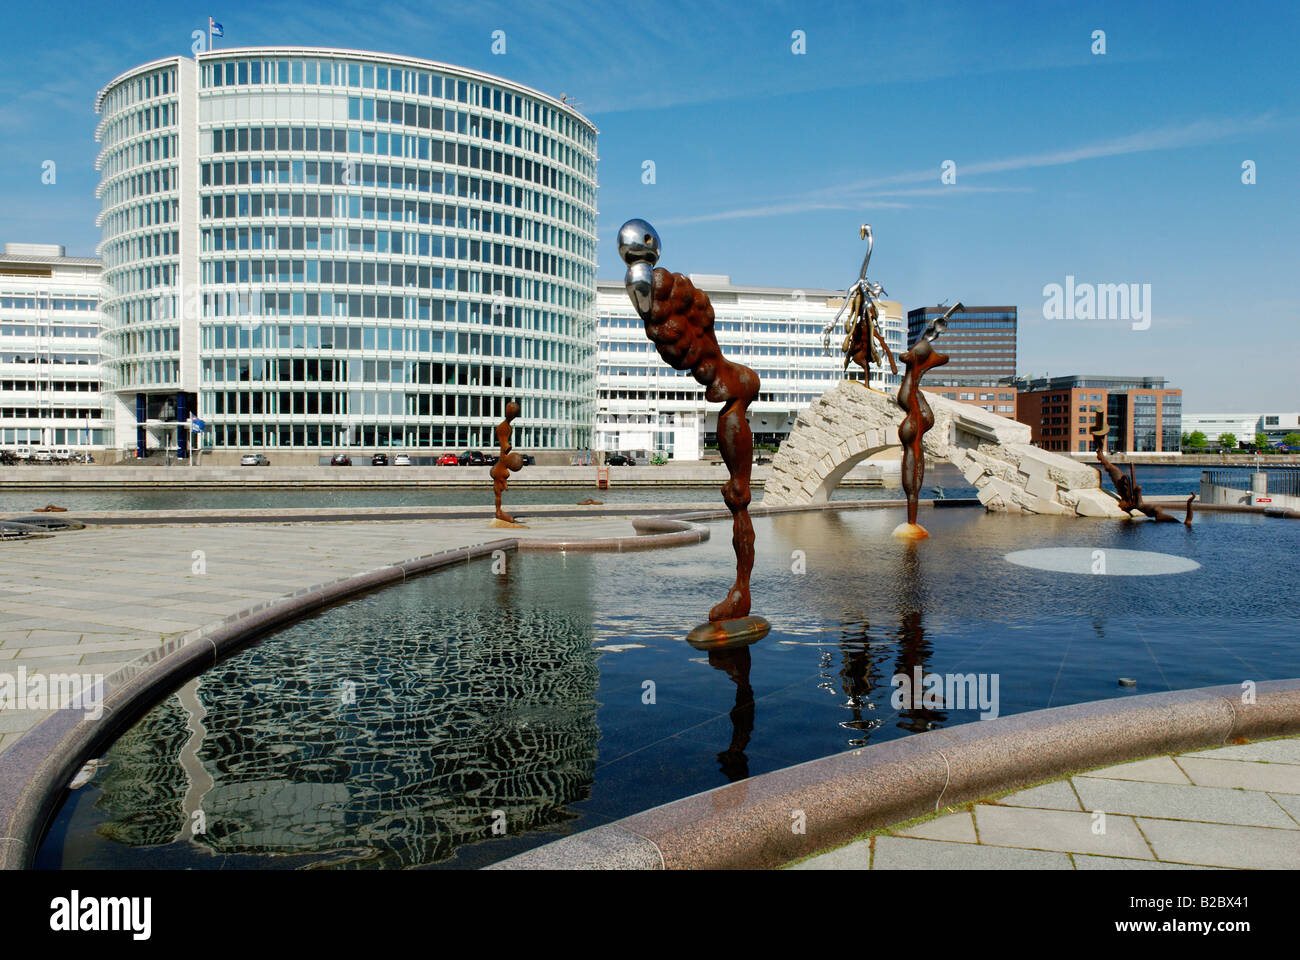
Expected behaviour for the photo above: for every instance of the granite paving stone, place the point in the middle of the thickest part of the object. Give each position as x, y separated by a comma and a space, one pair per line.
1223, 845
957, 827
1179, 802
1061, 830
1245, 774
907, 853
1156, 770
1051, 796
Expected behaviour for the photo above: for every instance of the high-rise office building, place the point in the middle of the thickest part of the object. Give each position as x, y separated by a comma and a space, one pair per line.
980, 342
315, 248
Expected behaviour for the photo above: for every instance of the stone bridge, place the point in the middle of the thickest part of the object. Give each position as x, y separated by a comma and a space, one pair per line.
851, 423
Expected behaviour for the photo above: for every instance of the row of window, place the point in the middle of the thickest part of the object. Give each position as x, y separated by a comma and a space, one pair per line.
69, 386
397, 80
34, 330
78, 359
357, 370
42, 413
47, 303
335, 436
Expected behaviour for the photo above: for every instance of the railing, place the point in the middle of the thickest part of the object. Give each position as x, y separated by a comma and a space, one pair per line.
1284, 481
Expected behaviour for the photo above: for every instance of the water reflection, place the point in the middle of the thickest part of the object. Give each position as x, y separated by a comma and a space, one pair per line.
391, 749
735, 662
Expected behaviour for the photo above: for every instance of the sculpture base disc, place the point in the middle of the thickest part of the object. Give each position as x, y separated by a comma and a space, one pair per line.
911, 531
719, 634
507, 524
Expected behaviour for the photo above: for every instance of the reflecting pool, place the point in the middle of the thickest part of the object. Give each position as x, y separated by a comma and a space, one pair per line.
463, 717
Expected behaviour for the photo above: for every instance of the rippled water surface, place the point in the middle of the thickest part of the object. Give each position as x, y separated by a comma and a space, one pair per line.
465, 716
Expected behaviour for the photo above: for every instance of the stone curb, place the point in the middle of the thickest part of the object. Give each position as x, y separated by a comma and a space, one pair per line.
36, 769
747, 825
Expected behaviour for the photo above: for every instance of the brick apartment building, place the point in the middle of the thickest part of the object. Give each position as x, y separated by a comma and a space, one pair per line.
1144, 414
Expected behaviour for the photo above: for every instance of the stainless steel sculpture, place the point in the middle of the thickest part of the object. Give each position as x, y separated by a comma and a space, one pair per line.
863, 339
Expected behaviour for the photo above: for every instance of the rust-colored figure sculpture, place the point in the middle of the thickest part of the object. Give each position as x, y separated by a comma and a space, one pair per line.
918, 419
508, 461
679, 320
1127, 487
862, 325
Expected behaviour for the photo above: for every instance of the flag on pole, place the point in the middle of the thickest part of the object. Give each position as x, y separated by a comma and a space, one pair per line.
214, 28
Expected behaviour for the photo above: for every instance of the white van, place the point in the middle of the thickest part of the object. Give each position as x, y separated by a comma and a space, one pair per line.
62, 454
23, 453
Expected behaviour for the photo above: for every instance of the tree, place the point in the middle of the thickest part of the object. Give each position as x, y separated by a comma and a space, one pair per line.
1292, 440
1228, 441
1197, 439
1261, 441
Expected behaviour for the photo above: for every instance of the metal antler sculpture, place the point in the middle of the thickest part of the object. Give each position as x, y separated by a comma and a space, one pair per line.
918, 418
1127, 488
679, 321
862, 331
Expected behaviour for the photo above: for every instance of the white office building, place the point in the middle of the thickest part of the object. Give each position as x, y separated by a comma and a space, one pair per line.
318, 248
1243, 426
644, 406
49, 351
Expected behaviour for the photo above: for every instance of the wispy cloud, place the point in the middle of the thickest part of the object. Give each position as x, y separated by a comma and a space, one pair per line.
866, 194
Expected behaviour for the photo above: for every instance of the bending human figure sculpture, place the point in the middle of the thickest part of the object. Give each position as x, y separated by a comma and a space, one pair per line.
1127, 487
679, 321
918, 419
508, 461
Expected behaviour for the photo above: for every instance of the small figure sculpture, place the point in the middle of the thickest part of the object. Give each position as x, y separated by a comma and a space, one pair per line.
508, 461
1127, 488
918, 419
679, 320
862, 325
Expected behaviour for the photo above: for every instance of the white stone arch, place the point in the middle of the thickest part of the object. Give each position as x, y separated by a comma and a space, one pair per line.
851, 423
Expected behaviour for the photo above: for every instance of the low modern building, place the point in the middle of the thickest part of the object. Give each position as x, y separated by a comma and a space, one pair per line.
1144, 414
644, 406
50, 377
1244, 426
980, 341
317, 248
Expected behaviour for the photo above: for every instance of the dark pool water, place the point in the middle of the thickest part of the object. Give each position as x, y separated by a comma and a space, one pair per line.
397, 730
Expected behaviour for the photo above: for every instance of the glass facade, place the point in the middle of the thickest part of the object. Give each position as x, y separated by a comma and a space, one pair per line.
383, 252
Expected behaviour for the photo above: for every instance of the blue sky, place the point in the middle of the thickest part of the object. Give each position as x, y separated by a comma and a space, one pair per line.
1117, 168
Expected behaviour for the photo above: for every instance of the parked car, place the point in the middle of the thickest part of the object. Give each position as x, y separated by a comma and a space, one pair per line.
340, 460
62, 454
401, 460
471, 458
43, 455
379, 460
254, 460
528, 459
448, 460
618, 460
490, 458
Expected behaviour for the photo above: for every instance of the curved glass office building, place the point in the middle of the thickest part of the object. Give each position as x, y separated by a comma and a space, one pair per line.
312, 248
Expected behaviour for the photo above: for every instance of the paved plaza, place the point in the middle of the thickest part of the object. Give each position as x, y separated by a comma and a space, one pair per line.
94, 599
1235, 807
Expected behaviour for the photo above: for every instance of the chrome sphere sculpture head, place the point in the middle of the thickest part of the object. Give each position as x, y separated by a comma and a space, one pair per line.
638, 245
638, 242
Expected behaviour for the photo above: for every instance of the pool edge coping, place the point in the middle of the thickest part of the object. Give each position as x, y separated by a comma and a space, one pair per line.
748, 824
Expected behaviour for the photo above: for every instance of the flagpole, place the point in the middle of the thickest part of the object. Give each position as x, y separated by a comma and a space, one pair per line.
209, 34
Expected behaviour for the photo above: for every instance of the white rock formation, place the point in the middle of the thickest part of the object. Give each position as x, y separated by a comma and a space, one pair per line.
850, 423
